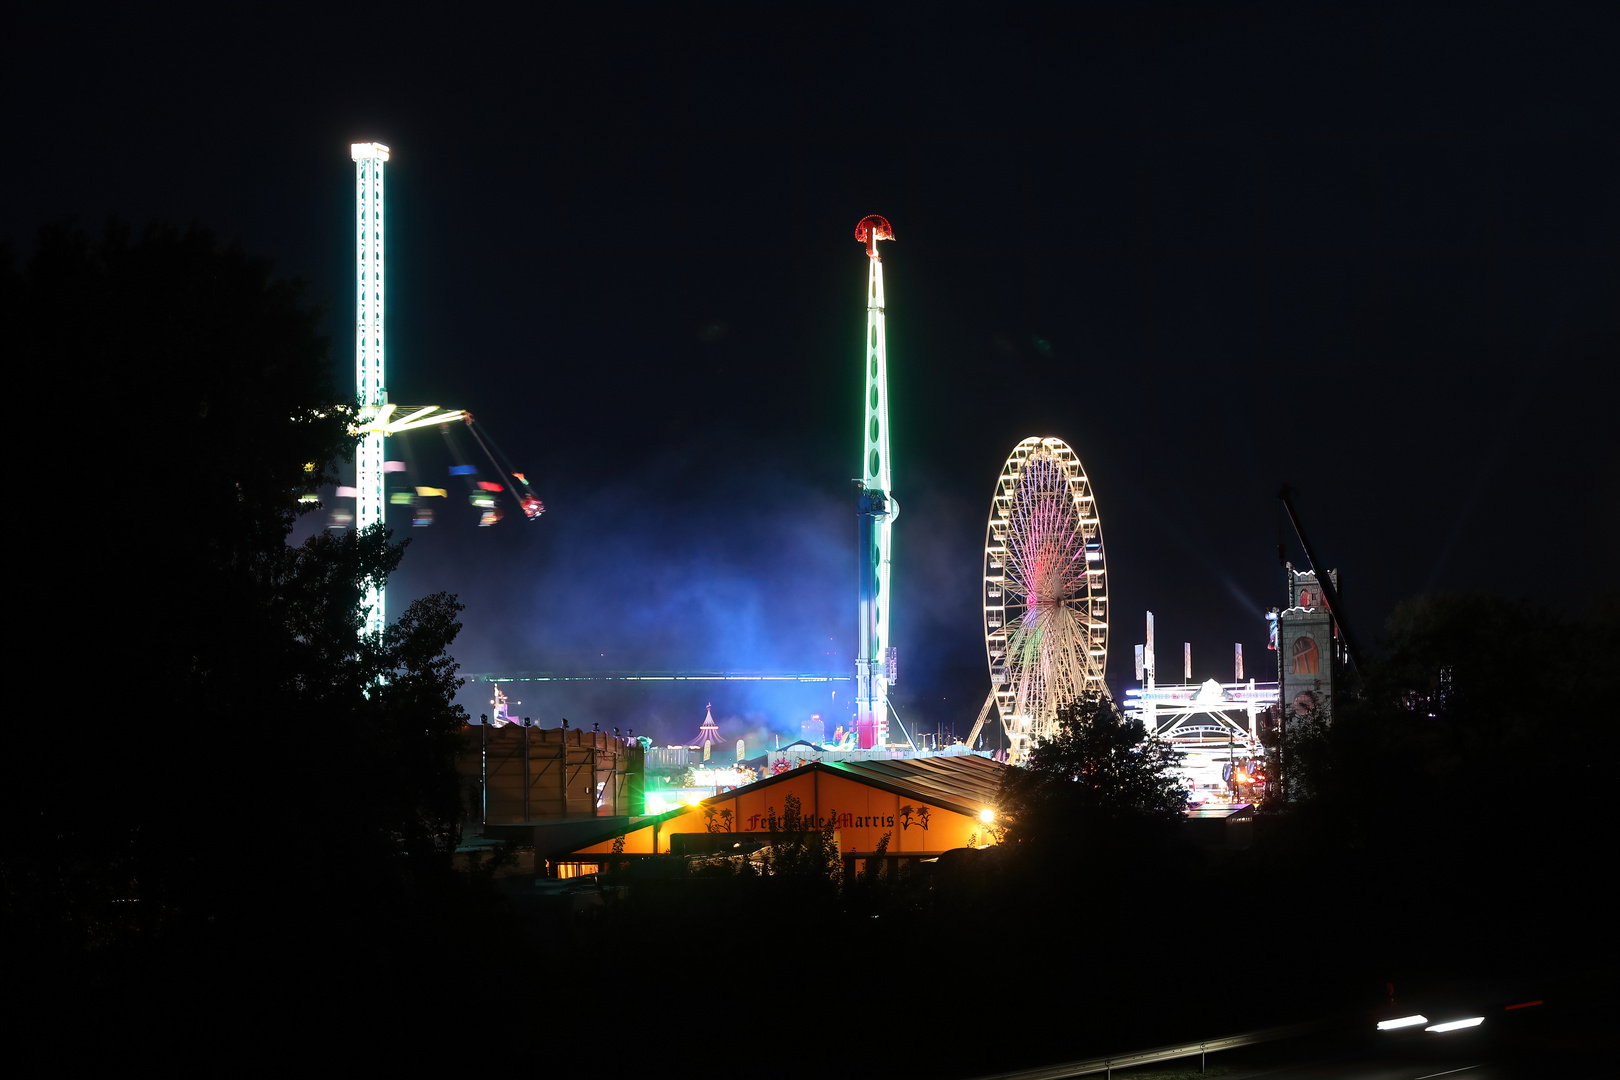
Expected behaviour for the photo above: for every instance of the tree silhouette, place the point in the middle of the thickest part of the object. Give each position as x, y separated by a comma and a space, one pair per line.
190, 397
1099, 775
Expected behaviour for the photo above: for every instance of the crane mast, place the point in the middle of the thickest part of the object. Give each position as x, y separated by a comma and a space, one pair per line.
875, 512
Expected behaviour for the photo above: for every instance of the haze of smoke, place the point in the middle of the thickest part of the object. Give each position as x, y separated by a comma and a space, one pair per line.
755, 573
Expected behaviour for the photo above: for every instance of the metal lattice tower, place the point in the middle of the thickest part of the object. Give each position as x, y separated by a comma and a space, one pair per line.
371, 387
874, 666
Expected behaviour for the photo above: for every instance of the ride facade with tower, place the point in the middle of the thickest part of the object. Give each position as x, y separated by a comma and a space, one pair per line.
1314, 644
1309, 648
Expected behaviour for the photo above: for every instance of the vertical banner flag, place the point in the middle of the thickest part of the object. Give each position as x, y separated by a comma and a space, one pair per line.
1186, 660
1148, 656
1237, 656
1139, 663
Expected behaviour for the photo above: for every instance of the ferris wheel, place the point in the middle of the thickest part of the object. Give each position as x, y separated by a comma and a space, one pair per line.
1045, 592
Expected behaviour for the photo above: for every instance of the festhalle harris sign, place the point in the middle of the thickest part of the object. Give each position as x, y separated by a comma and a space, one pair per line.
848, 821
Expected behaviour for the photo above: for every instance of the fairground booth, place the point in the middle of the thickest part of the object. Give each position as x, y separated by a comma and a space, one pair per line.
925, 805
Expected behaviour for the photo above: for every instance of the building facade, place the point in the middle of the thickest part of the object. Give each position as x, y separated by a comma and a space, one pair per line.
1309, 651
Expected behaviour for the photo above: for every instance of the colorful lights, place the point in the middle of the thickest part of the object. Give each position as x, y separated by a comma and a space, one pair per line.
721, 777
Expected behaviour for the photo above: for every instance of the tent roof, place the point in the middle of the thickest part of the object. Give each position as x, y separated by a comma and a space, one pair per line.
966, 784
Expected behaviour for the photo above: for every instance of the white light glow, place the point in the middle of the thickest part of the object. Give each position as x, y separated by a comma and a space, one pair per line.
368, 151
1402, 1022
417, 415
721, 777
987, 816
430, 421
1457, 1025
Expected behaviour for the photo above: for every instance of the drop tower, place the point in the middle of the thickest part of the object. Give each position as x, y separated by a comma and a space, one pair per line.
876, 509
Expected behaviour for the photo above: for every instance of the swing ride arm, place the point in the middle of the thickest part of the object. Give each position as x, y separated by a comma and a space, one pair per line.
390, 420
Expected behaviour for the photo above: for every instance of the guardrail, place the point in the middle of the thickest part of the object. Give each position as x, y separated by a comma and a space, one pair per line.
1200, 1050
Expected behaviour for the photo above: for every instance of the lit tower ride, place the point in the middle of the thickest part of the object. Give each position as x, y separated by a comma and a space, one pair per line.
371, 390
877, 509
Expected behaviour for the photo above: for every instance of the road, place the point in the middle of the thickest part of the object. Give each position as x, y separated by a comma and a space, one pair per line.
1562, 1039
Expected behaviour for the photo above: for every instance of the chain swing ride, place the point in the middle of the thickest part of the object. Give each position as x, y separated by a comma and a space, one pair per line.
377, 419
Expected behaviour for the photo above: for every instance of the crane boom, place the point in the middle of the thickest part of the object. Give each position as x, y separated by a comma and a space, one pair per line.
1324, 580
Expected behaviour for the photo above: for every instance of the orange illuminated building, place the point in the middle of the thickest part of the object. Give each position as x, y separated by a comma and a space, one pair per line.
925, 805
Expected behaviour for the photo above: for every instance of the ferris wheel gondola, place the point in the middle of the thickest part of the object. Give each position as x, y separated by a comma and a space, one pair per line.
1045, 592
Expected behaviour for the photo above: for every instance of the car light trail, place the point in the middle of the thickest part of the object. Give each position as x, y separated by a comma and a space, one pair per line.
1457, 1025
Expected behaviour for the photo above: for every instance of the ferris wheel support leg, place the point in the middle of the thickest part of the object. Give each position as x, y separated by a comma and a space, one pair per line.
978, 725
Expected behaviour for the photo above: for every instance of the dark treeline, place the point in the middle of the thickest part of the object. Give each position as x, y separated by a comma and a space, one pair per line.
1446, 829
250, 856
255, 836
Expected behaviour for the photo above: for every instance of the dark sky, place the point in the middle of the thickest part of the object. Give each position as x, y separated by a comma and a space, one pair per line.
1371, 252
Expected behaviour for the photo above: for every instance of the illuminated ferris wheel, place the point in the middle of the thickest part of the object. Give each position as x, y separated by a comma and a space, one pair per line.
1045, 591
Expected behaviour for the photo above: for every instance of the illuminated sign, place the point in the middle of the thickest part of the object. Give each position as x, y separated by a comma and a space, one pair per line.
839, 821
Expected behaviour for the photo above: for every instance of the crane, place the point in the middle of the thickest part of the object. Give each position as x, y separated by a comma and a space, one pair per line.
1324, 580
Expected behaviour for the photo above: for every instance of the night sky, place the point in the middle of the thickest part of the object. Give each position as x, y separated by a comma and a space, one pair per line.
1368, 252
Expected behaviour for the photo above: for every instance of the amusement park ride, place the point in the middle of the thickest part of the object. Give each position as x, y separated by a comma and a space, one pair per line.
876, 509
1193, 715
1045, 593
376, 418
